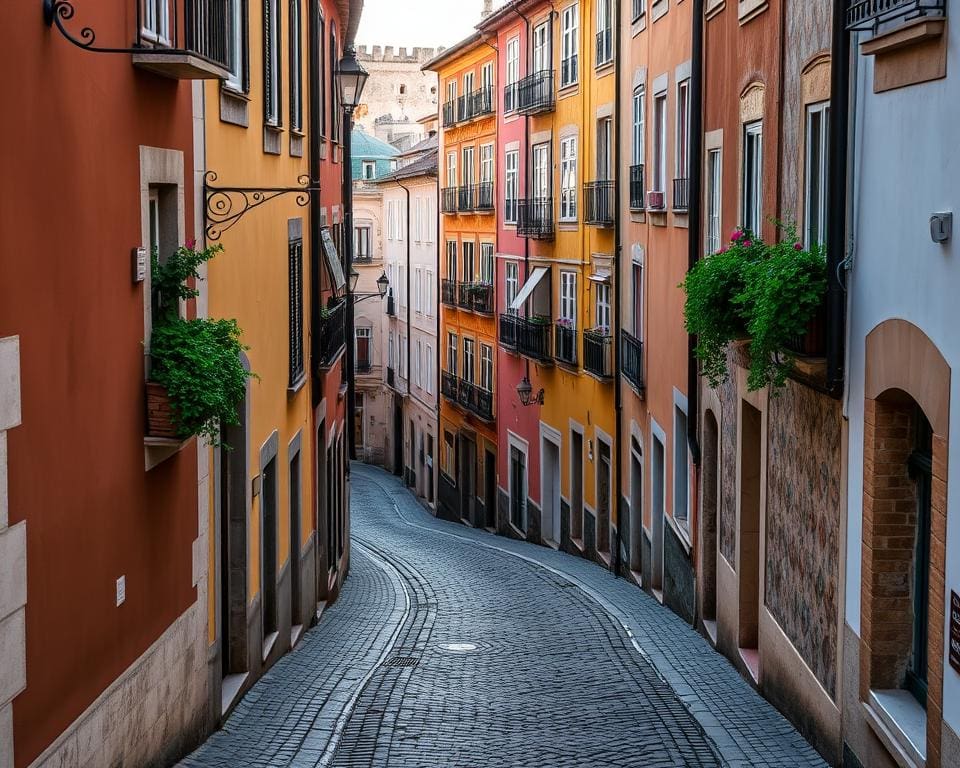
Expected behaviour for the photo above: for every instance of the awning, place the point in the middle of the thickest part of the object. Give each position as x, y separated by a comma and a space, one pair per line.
528, 287
333, 259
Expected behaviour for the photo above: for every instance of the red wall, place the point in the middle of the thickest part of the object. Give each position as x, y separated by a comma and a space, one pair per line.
69, 217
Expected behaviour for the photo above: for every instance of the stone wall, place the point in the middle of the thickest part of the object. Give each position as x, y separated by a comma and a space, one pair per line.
397, 88
727, 513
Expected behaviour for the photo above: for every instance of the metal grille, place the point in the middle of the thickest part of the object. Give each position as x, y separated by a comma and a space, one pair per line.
295, 252
401, 661
868, 15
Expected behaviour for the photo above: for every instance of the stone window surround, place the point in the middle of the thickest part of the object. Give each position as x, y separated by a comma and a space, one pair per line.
814, 89
713, 7
748, 10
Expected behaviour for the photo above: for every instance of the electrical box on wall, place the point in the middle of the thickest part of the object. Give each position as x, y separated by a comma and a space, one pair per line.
139, 265
121, 590
941, 227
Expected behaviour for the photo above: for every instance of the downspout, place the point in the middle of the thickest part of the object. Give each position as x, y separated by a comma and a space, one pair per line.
526, 170
837, 212
694, 202
314, 149
409, 298
618, 289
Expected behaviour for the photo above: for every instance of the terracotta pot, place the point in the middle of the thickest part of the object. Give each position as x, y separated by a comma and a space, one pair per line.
159, 412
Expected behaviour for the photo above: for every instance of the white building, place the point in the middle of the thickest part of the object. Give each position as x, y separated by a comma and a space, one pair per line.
901, 677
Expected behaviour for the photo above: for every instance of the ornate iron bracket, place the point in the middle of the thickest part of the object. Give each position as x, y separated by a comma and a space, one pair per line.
225, 206
59, 11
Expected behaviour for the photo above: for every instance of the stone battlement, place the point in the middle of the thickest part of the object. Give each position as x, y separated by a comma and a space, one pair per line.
402, 55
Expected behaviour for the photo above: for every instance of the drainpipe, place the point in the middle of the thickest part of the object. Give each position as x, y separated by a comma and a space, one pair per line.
618, 291
694, 200
837, 211
314, 149
409, 323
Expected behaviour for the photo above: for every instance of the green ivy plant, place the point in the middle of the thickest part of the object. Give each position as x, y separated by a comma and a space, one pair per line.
751, 289
197, 361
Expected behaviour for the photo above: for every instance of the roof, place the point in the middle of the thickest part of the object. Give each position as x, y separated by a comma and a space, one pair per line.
497, 17
423, 166
367, 147
451, 53
431, 142
351, 10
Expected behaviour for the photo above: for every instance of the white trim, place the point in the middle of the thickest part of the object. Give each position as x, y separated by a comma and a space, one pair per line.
528, 287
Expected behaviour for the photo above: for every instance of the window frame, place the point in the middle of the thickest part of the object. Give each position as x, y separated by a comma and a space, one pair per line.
820, 109
511, 278
296, 66
681, 151
272, 78
570, 45
751, 205
569, 196
487, 259
639, 147
659, 175
568, 296
714, 201
486, 367
511, 184
603, 308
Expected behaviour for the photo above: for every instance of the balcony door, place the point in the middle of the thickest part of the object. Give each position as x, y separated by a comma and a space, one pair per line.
605, 150
468, 84
541, 48
603, 308
541, 172
468, 360
467, 172
468, 262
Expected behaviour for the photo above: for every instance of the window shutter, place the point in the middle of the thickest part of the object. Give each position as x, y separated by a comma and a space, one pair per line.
268, 73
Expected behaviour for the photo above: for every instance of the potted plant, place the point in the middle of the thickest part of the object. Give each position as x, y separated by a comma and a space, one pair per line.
197, 380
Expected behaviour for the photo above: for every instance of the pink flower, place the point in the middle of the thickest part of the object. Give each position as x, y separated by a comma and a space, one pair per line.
191, 243
737, 234
747, 243
798, 246
723, 250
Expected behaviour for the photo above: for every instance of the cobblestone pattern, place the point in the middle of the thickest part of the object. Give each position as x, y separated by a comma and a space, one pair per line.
553, 680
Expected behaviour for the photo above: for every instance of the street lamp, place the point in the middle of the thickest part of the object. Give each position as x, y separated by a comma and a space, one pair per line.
351, 78
383, 283
525, 393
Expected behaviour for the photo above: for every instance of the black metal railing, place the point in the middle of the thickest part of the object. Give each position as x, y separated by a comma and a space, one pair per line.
449, 114
636, 187
604, 46
391, 377
448, 292
477, 297
475, 399
509, 330
569, 70
478, 103
465, 199
534, 338
331, 333
868, 15
511, 95
598, 353
363, 257
681, 189
565, 343
448, 385
448, 200
599, 203
483, 196
535, 93
631, 359
391, 306
535, 218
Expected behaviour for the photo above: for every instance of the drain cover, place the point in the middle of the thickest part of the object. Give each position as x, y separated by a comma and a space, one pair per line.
401, 661
459, 647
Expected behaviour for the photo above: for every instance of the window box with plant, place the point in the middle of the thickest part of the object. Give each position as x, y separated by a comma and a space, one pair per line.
768, 294
197, 379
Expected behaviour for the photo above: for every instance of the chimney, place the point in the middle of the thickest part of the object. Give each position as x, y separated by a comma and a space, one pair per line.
487, 8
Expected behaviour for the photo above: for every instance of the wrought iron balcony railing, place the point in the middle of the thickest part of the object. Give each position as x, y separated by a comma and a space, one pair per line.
535, 218
448, 200
448, 292
569, 70
604, 47
477, 297
476, 400
565, 341
449, 114
331, 334
631, 359
636, 188
598, 353
534, 338
483, 196
509, 331
448, 386
535, 93
465, 198
599, 203
475, 104
363, 366
868, 15
680, 193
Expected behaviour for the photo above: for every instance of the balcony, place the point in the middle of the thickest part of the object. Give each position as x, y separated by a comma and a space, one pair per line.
391, 306
599, 203
331, 334
363, 366
465, 199
636, 188
631, 360
391, 377
569, 70
868, 15
565, 339
483, 196
476, 297
448, 200
476, 104
681, 192
448, 292
533, 338
449, 111
535, 218
476, 400
510, 331
448, 386
598, 353
535, 93
604, 46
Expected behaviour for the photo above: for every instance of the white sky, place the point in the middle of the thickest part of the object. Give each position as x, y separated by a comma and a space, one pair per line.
428, 23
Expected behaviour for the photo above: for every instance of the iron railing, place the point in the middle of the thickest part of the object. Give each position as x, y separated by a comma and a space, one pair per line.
483, 196
569, 70
535, 93
475, 104
598, 353
331, 333
465, 199
681, 189
868, 15
363, 365
449, 114
477, 297
509, 331
631, 359
565, 341
535, 218
448, 385
476, 400
534, 339
604, 46
448, 292
448, 200
636, 187
599, 203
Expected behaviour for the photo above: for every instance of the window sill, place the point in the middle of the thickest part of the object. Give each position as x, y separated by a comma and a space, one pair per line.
268, 644
659, 9
910, 53
234, 107
638, 25
713, 8
604, 69
900, 722
157, 450
566, 91
296, 386
910, 33
748, 10
681, 533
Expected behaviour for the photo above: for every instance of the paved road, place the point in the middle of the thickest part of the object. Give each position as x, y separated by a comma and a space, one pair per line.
454, 648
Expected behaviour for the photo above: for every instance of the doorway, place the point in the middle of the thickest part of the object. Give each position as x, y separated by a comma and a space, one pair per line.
397, 439
659, 471
468, 478
711, 495
268, 553
550, 490
518, 489
603, 497
296, 618
490, 489
576, 487
636, 503
749, 554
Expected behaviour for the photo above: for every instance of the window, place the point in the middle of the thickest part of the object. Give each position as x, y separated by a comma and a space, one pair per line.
570, 45
466, 173
362, 244
639, 8
402, 288
448, 465
469, 273
321, 85
486, 164
428, 292
237, 42
486, 77
295, 255
637, 279
815, 173
660, 143
369, 170
512, 189
683, 129
714, 196
638, 121
429, 370
296, 66
451, 169
541, 172
604, 31
568, 179
512, 278
335, 115
417, 365
513, 75
156, 20
452, 98
603, 307
362, 349
451, 260
271, 62
468, 83
486, 263
752, 207
468, 361
518, 488
568, 298
452, 353
605, 149
391, 353
486, 367
418, 291
403, 357
541, 47
681, 468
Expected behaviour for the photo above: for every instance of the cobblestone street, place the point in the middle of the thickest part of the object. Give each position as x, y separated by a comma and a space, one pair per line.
452, 647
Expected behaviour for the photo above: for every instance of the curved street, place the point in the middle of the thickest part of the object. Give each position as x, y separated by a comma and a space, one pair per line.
453, 647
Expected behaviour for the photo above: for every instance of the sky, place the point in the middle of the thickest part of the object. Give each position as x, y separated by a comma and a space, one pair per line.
428, 23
